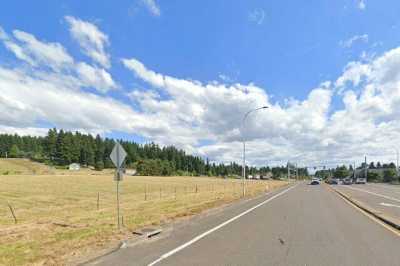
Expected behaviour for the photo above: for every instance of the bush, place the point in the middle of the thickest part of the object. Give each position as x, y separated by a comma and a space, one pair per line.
389, 175
99, 165
373, 177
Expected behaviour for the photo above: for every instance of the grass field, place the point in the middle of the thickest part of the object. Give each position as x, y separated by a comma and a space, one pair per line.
23, 166
58, 216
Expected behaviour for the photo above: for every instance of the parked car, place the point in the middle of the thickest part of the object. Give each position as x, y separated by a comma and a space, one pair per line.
361, 180
315, 181
334, 181
347, 181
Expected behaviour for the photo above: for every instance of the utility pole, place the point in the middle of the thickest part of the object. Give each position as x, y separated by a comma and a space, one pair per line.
365, 170
297, 172
397, 163
288, 171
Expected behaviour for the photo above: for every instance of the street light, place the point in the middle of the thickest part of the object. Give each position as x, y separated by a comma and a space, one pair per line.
397, 162
244, 145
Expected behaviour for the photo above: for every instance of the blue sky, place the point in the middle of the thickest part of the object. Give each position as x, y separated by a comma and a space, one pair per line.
294, 47
284, 48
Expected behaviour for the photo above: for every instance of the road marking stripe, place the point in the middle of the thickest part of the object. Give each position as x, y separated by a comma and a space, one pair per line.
373, 193
389, 205
197, 238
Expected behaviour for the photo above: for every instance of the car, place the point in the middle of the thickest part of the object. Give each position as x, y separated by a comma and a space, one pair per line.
361, 180
347, 181
315, 181
334, 181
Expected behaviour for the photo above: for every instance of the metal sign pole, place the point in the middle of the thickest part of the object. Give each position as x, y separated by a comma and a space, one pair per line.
119, 224
118, 156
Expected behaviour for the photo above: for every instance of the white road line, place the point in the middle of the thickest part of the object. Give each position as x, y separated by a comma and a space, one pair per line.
389, 205
197, 238
373, 193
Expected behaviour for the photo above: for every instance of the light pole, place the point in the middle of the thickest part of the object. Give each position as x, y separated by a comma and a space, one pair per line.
244, 146
397, 162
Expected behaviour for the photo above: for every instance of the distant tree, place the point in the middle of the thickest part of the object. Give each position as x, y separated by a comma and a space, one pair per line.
378, 165
372, 176
14, 152
371, 165
341, 172
99, 153
389, 175
392, 165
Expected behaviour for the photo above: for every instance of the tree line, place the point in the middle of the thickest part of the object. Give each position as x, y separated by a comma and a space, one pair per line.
374, 172
61, 148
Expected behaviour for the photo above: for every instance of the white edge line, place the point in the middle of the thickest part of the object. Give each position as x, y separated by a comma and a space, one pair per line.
389, 205
197, 238
376, 194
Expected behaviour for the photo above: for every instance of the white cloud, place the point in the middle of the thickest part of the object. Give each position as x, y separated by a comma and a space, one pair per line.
257, 16
225, 78
3, 34
26, 47
361, 4
95, 77
353, 74
350, 42
307, 129
24, 131
91, 39
62, 68
152, 7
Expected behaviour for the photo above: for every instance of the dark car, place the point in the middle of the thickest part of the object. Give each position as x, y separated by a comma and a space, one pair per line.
334, 181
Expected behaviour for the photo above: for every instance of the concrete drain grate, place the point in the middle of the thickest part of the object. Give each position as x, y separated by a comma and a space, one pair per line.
148, 232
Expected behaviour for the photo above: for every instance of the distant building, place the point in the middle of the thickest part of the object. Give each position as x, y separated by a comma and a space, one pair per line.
74, 167
266, 176
130, 172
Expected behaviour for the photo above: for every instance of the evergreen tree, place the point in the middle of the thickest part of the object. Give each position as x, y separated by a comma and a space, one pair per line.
14, 152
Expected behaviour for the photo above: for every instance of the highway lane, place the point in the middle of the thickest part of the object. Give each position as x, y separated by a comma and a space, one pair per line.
307, 225
393, 190
380, 197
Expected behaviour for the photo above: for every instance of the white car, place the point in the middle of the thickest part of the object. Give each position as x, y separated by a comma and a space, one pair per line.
361, 180
315, 181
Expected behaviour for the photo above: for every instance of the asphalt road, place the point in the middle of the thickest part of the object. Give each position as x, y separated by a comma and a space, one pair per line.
381, 197
305, 225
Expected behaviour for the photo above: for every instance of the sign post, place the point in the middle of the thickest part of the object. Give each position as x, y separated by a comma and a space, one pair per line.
118, 156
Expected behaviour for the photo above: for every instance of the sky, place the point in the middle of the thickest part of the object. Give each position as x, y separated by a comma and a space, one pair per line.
184, 73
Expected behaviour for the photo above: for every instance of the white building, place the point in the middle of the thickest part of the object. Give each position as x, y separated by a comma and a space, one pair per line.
74, 167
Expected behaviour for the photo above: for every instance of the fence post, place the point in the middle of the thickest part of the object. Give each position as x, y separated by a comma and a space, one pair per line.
12, 212
145, 192
175, 193
98, 200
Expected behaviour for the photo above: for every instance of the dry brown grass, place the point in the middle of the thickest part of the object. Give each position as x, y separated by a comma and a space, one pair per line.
58, 217
23, 166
